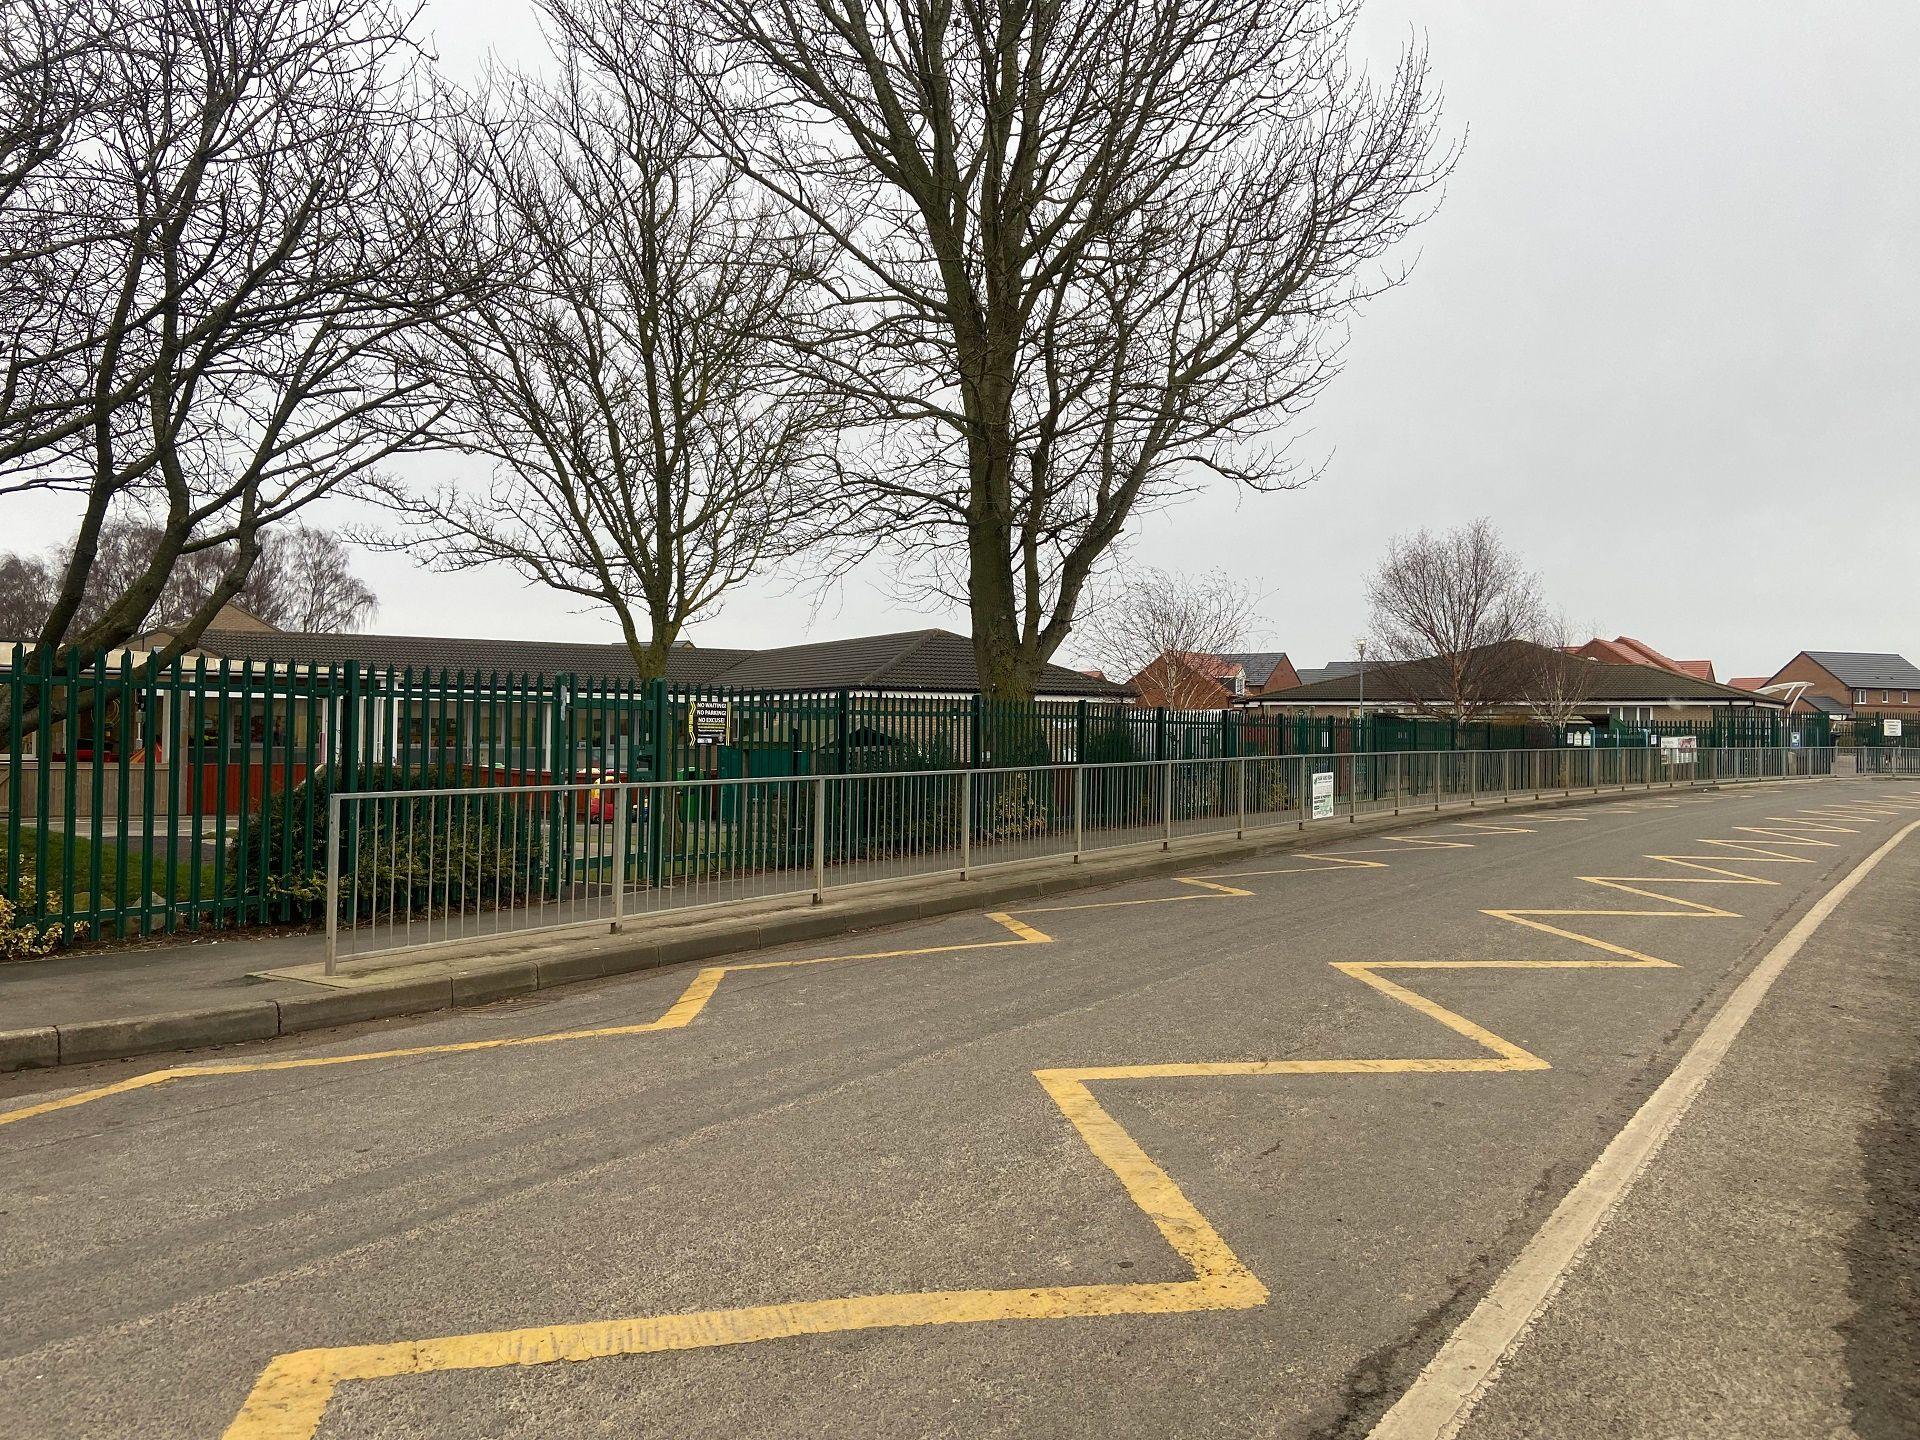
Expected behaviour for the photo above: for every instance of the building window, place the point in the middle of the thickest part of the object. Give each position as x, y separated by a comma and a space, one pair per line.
1859, 697
1883, 697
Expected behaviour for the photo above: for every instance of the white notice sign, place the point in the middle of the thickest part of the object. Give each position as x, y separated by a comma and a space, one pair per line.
1678, 749
1890, 729
1323, 795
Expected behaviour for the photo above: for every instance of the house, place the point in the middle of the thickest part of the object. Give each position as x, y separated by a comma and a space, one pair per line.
1625, 650
1527, 682
1853, 684
1266, 670
1191, 680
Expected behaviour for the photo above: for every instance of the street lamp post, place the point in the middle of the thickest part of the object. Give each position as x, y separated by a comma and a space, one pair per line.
1353, 780
1362, 646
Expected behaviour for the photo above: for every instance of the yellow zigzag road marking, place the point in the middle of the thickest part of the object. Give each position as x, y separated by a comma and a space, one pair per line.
690, 1002
1765, 830
1709, 874
1335, 861
290, 1397
1433, 844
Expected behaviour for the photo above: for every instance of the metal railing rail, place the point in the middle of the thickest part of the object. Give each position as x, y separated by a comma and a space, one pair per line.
413, 869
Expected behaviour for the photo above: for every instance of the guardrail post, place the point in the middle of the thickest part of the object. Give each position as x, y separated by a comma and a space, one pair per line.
1166, 807
1397, 768
1473, 780
819, 838
1240, 777
1353, 788
333, 880
1079, 803
620, 797
966, 823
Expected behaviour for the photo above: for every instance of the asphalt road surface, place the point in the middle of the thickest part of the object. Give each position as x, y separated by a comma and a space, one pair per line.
1225, 1158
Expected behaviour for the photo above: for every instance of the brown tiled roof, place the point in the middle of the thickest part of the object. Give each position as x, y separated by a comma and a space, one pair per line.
686, 664
1610, 682
1626, 649
911, 661
927, 661
1331, 670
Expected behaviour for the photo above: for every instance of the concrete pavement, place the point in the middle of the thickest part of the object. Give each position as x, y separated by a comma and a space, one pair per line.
1224, 1158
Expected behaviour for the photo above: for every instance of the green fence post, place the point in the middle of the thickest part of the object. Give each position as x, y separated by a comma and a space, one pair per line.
97, 741
561, 707
660, 738
70, 781
16, 752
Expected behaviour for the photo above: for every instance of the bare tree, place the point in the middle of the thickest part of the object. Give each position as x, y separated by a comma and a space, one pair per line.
1088, 255
244, 250
46, 47
302, 580
58, 95
650, 450
1554, 683
1452, 612
1164, 632
25, 582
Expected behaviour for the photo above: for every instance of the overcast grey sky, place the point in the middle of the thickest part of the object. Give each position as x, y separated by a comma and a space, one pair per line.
1663, 331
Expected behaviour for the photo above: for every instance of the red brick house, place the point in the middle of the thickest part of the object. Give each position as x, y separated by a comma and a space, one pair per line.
1850, 684
1625, 650
1186, 680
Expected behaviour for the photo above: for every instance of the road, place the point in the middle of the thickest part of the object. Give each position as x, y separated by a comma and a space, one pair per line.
1220, 1156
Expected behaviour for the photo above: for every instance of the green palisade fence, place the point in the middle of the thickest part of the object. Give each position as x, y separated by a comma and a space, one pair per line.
194, 796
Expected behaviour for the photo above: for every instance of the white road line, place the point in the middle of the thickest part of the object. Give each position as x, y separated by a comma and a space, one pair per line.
1441, 1399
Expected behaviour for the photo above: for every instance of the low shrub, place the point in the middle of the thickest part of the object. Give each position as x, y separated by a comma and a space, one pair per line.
1015, 812
22, 937
404, 856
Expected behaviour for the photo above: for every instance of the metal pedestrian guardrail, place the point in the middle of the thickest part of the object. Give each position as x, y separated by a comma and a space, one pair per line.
1879, 760
411, 869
